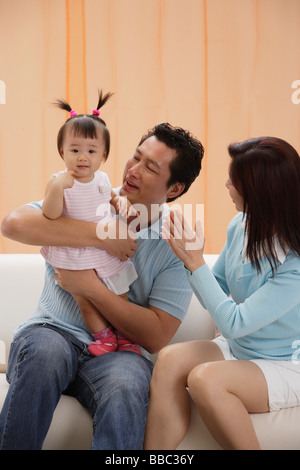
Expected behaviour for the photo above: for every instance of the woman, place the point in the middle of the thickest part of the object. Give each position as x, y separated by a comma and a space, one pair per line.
253, 296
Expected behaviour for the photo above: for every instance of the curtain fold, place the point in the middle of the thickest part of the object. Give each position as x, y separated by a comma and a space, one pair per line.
223, 69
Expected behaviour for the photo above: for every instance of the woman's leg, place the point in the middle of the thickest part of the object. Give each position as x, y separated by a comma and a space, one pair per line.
169, 409
225, 393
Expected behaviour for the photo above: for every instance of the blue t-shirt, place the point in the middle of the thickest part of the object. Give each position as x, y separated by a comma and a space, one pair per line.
161, 283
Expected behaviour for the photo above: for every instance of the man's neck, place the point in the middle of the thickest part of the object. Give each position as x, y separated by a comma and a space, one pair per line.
153, 215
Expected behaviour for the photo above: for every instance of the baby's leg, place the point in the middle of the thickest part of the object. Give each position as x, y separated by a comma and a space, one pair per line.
123, 343
103, 334
93, 319
106, 339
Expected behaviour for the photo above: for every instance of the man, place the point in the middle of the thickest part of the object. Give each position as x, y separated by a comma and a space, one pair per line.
113, 386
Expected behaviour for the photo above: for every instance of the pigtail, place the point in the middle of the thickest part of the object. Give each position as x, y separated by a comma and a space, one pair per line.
103, 99
62, 104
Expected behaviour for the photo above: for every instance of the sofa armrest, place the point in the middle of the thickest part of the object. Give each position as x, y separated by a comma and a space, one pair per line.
21, 283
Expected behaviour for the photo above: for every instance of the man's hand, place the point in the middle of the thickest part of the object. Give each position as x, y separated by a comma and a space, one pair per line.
75, 282
119, 241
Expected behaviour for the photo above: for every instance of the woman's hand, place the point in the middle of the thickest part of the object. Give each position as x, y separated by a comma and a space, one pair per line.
187, 245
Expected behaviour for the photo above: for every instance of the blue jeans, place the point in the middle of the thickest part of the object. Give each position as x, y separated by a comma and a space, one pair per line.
45, 362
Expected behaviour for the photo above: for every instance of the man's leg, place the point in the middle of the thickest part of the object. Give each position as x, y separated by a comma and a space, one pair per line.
115, 388
41, 364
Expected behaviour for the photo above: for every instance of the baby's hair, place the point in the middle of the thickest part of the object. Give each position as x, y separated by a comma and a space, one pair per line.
63, 104
85, 125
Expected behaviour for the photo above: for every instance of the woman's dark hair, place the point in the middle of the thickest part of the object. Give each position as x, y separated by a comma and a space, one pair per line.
84, 125
186, 166
266, 173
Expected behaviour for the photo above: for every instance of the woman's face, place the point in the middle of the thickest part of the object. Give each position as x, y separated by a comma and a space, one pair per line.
235, 196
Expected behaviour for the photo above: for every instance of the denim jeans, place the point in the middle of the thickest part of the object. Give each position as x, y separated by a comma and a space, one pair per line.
45, 362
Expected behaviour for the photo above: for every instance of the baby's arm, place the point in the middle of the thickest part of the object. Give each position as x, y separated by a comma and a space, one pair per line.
54, 198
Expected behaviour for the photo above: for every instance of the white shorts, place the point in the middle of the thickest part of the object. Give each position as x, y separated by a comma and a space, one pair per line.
282, 377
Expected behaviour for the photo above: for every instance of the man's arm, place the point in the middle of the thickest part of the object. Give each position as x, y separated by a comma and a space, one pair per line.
152, 328
28, 225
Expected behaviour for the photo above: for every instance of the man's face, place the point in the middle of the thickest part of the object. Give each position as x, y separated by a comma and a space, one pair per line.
147, 173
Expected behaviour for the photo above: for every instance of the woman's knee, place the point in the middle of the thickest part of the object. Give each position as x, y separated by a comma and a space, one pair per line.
171, 368
203, 383
167, 362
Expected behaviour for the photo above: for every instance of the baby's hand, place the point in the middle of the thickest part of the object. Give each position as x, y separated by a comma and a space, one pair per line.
125, 208
66, 180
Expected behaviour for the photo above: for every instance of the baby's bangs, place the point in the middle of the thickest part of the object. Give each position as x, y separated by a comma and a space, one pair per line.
84, 126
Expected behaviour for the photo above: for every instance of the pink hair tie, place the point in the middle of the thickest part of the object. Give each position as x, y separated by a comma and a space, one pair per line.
96, 111
73, 113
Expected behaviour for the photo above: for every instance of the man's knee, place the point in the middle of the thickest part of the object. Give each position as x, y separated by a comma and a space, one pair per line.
126, 374
41, 352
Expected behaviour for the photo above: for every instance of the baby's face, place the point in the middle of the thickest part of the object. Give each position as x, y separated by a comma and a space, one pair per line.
83, 155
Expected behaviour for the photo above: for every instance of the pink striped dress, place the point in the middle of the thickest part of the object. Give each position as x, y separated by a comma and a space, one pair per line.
91, 202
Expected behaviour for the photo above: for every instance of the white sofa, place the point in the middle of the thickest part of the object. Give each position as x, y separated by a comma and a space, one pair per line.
21, 280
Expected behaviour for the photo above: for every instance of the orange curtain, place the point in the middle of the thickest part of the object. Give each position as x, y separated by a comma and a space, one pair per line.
225, 69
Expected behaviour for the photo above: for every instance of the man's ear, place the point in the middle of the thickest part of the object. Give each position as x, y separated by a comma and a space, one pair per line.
175, 190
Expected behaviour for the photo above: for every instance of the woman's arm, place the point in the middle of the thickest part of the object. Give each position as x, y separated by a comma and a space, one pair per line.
271, 301
274, 299
28, 225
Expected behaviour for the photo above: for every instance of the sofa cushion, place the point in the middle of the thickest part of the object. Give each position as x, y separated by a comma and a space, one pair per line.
21, 281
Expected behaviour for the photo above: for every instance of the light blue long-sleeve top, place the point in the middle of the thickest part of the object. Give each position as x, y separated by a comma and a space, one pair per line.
261, 318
